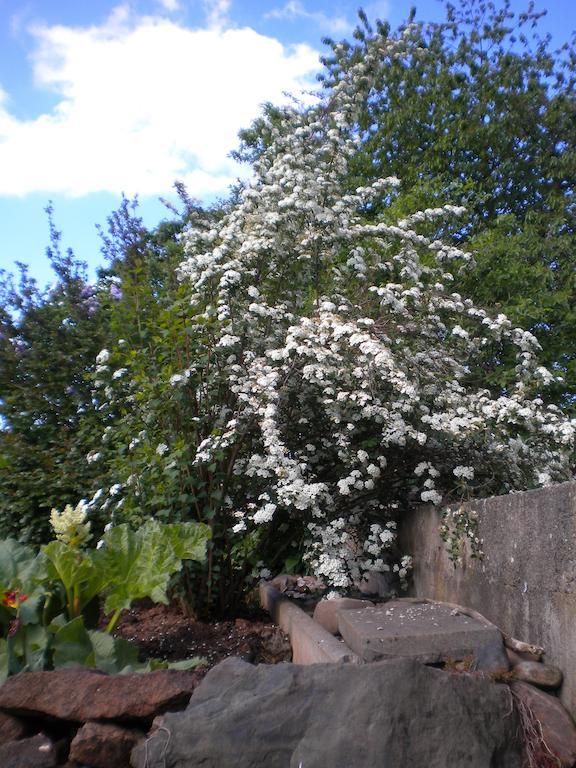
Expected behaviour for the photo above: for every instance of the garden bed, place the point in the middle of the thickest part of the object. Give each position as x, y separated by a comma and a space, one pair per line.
165, 632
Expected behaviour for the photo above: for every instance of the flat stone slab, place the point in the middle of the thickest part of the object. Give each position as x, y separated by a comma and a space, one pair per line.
419, 631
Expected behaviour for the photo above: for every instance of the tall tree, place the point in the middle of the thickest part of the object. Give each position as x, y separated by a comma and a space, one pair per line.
480, 111
48, 341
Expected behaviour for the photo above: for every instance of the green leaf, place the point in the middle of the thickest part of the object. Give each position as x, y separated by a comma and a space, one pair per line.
140, 563
76, 570
4, 660
191, 663
153, 664
137, 565
188, 540
112, 654
18, 566
73, 646
32, 645
29, 611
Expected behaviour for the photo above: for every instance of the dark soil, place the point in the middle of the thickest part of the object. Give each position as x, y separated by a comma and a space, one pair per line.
164, 632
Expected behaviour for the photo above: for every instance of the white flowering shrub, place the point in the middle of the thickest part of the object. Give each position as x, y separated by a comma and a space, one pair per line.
342, 378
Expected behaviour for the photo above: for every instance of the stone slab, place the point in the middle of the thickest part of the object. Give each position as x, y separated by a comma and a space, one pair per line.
419, 631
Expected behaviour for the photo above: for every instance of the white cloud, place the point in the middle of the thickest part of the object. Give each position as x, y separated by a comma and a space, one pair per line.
170, 5
339, 26
216, 12
143, 101
294, 9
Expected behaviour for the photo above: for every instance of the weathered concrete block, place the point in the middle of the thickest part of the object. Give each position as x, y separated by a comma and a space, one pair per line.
426, 633
525, 584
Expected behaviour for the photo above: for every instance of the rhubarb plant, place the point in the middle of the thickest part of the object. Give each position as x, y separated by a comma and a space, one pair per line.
47, 599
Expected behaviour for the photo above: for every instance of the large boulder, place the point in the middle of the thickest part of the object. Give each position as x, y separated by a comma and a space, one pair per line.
80, 694
387, 714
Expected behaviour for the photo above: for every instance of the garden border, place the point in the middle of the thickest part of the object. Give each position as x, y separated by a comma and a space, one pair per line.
311, 643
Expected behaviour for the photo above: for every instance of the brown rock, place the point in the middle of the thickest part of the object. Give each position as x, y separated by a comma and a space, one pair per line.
516, 657
81, 694
102, 745
558, 729
11, 728
35, 752
541, 675
326, 612
283, 582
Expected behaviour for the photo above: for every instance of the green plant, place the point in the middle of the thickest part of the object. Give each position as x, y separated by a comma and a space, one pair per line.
47, 599
140, 563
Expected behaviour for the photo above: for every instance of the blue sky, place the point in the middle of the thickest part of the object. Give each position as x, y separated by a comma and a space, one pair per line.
107, 97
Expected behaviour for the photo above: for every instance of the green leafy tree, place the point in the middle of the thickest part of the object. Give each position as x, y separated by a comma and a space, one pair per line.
146, 387
479, 112
48, 341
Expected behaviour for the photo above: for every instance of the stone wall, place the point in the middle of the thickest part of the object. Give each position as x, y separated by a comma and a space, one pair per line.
526, 583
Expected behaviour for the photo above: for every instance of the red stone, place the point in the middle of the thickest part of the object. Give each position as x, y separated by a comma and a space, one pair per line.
81, 694
326, 611
103, 745
558, 728
11, 728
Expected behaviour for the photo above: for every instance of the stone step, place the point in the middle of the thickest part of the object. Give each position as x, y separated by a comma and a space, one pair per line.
423, 632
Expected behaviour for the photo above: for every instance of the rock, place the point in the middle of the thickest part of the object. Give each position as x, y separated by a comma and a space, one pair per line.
541, 675
35, 752
384, 585
80, 694
558, 728
326, 612
391, 713
491, 657
11, 728
515, 657
283, 581
296, 585
103, 745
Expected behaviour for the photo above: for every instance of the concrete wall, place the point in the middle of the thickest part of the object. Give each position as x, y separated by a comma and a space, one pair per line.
526, 583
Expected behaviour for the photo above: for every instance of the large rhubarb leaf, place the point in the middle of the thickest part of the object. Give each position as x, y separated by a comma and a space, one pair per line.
81, 577
140, 563
189, 540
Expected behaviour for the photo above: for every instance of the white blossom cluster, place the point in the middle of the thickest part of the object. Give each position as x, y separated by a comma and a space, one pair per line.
71, 526
345, 356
